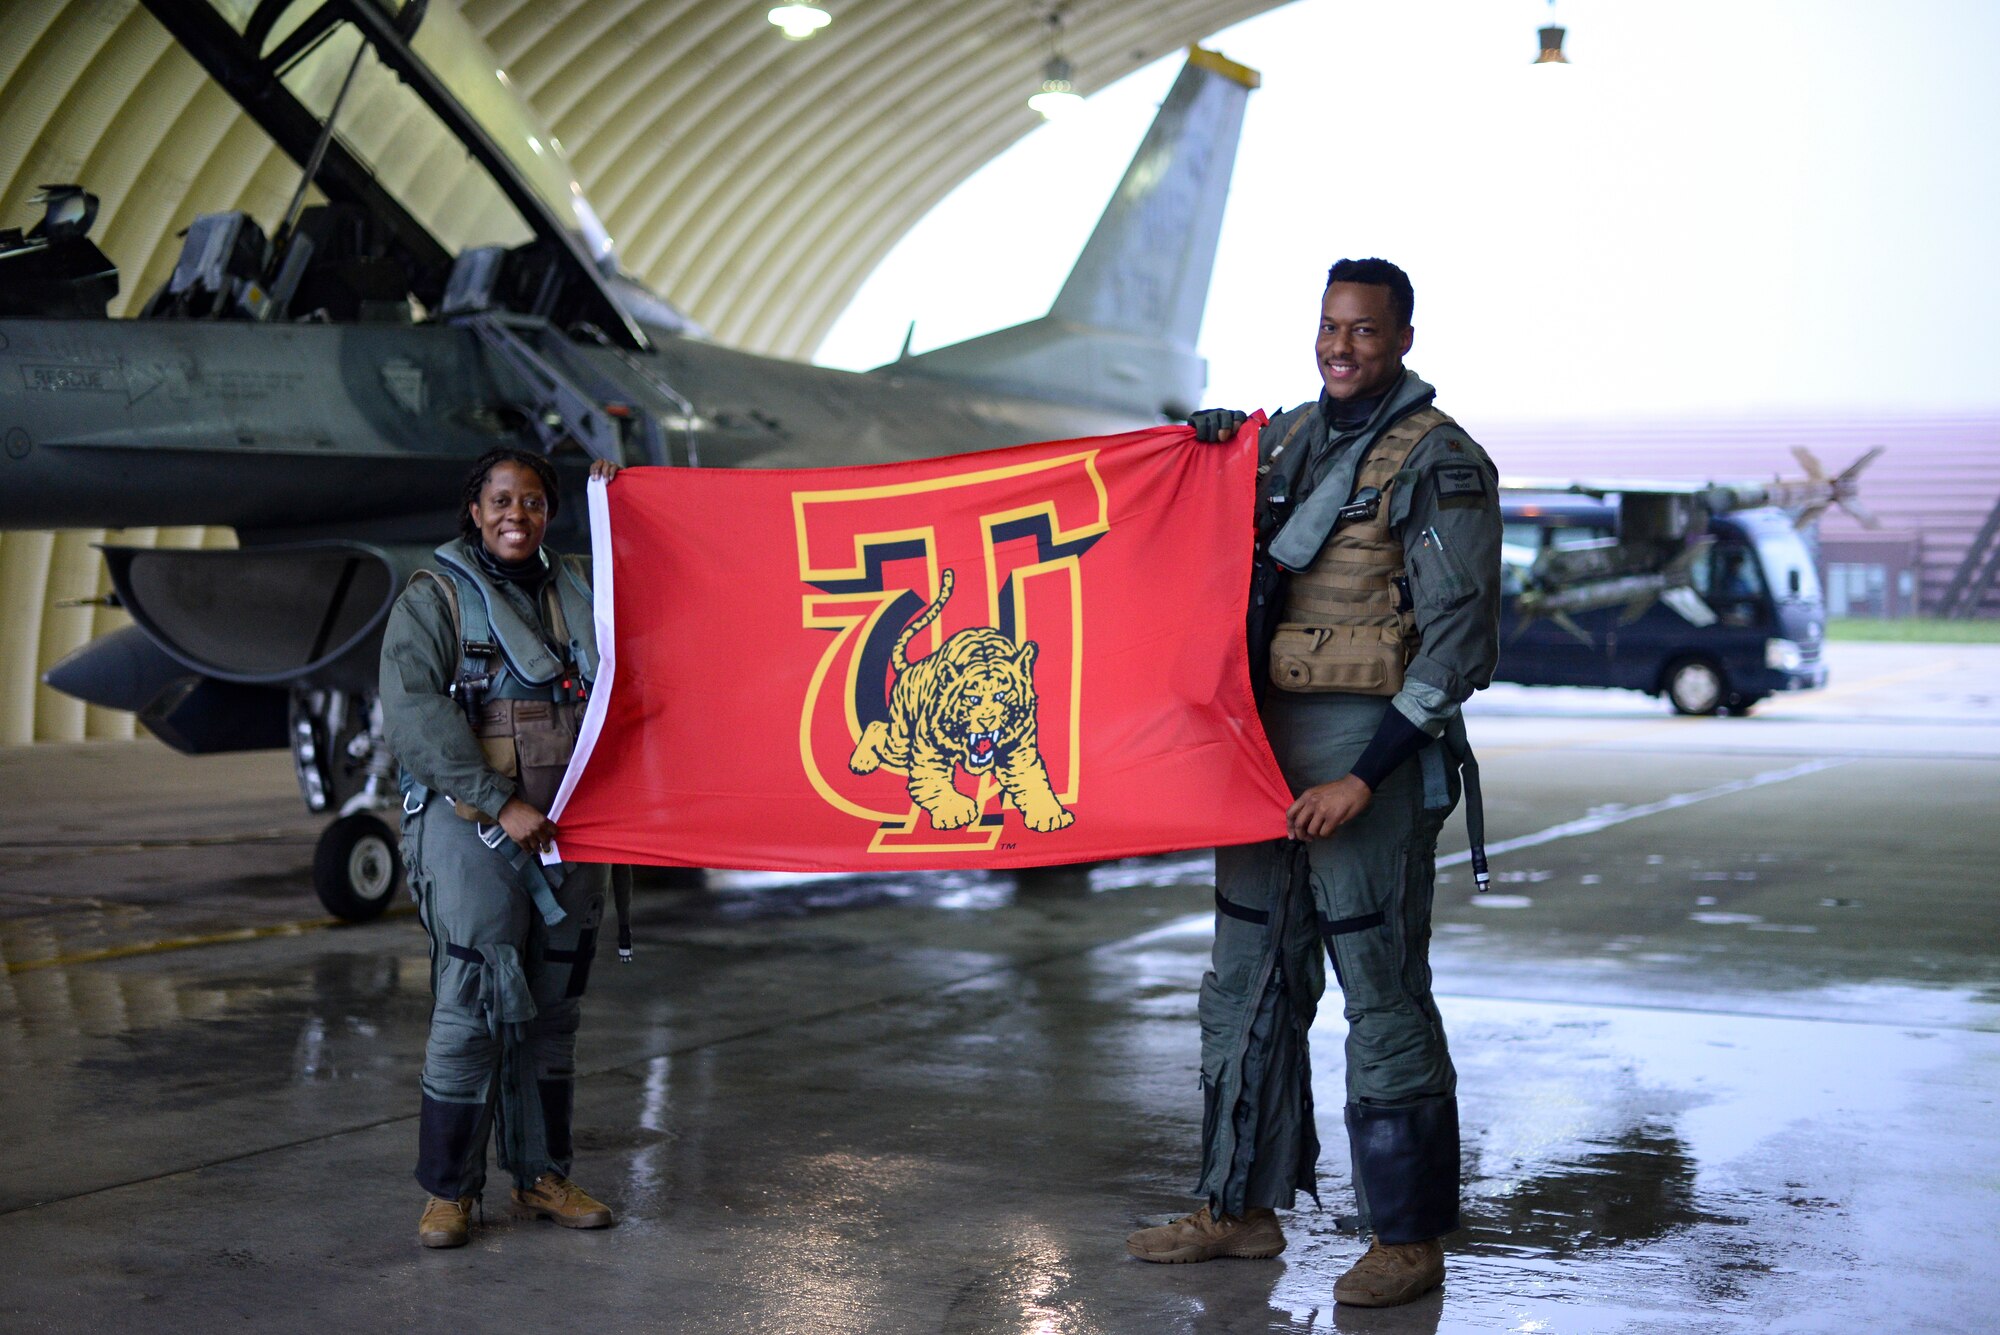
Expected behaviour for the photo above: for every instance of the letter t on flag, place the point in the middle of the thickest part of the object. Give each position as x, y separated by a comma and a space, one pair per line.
1013, 658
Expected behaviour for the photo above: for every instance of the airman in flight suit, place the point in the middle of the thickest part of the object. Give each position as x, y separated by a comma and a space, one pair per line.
1375, 615
485, 663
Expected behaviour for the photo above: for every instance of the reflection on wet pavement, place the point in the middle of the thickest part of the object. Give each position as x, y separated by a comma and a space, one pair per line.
1629, 1188
966, 1154
1724, 1067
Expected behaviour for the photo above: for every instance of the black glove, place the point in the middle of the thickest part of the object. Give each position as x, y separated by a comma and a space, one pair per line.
1212, 426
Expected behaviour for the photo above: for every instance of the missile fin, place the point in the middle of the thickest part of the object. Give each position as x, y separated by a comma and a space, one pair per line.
1637, 608
1568, 623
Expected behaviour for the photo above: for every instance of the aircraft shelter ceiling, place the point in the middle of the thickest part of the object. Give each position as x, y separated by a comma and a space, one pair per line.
754, 182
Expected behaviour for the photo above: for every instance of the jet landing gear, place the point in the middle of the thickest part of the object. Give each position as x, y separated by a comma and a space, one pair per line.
344, 766
356, 867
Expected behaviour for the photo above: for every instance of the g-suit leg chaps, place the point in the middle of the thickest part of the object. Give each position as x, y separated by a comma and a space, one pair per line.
1364, 896
507, 994
1260, 1144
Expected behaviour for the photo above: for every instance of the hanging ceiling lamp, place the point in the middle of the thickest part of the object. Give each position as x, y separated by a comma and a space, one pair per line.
1057, 96
1552, 41
799, 20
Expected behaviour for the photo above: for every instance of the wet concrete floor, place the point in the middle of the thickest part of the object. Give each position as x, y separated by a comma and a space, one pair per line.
1728, 1033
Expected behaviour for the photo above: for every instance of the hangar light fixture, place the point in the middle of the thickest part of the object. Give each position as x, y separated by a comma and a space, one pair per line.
1551, 34
1058, 96
799, 20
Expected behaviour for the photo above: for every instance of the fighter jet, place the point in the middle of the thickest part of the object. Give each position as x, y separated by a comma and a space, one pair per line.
323, 386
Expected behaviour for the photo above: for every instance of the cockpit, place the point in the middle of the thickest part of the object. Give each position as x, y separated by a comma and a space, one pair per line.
416, 151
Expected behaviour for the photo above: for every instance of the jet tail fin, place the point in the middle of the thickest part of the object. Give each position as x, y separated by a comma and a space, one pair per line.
1121, 334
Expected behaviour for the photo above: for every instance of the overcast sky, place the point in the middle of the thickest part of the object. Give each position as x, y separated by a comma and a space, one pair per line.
1719, 208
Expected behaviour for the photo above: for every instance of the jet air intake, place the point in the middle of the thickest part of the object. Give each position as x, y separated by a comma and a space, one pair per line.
267, 615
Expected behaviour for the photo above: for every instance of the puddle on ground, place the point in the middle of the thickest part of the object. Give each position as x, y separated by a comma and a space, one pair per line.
738, 896
1625, 1168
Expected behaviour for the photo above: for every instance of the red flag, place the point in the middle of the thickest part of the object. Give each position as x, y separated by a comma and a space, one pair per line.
1014, 658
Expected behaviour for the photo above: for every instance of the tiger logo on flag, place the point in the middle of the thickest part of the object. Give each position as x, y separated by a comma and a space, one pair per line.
970, 704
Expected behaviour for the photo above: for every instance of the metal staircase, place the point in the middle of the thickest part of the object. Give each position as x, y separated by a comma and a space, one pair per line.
1975, 575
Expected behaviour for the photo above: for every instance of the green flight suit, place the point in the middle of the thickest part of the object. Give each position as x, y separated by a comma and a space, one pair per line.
507, 985
1364, 895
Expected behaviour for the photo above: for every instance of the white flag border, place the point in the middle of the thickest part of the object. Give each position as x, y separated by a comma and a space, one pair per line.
601, 602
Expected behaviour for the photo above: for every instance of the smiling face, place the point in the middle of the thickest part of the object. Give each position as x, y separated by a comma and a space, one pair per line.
1361, 341
512, 513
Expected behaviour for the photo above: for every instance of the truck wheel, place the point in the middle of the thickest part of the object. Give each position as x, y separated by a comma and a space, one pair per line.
356, 867
1696, 686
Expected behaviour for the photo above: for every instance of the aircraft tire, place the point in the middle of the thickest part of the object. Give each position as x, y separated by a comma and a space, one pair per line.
357, 868
1695, 685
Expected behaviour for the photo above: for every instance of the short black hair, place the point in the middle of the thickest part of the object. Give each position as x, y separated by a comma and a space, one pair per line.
475, 483
1378, 273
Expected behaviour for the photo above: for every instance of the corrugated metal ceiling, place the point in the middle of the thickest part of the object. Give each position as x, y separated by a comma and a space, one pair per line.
753, 181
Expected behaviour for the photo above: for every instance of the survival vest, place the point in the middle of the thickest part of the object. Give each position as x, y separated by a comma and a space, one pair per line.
522, 695
1347, 622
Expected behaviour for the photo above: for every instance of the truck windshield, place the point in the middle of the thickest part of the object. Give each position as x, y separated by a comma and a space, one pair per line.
1728, 574
1788, 566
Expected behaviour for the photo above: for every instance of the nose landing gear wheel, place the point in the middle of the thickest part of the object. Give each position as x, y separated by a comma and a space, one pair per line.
356, 867
1696, 686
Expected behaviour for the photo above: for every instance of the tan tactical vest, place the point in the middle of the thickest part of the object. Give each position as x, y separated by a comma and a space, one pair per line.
528, 741
1345, 627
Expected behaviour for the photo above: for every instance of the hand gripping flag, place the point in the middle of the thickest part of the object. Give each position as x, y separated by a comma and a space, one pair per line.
1013, 658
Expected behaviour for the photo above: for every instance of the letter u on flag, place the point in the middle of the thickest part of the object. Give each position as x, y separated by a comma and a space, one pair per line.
1013, 658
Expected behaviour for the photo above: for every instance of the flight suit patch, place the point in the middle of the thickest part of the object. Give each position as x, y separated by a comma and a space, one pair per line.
1460, 485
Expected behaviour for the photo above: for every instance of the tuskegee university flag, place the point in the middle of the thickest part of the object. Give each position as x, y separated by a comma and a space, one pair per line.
1013, 658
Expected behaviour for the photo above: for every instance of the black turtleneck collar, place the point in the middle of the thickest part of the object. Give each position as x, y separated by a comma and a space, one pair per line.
1344, 415
527, 574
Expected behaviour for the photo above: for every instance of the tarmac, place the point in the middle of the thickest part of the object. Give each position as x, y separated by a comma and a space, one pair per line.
1727, 1029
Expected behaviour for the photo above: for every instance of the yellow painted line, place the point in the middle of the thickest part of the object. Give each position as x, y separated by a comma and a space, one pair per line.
172, 943
150, 845
1775, 704
1846, 689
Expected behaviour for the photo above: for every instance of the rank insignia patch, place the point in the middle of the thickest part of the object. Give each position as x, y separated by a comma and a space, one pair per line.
1456, 480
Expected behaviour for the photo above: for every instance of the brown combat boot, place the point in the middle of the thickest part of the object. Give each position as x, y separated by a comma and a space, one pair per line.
556, 1197
1203, 1237
445, 1223
1392, 1273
